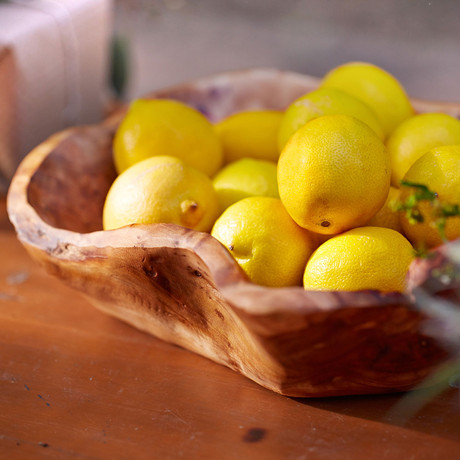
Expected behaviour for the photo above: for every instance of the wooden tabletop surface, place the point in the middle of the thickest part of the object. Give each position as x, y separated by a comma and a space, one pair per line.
78, 384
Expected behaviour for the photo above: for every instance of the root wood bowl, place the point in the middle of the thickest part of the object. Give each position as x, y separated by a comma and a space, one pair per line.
183, 286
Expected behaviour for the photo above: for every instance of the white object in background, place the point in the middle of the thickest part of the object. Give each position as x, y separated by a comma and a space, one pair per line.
54, 64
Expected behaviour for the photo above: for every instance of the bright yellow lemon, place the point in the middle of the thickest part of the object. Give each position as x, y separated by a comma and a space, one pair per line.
244, 178
362, 258
252, 134
324, 101
268, 245
334, 174
416, 136
380, 90
155, 127
161, 189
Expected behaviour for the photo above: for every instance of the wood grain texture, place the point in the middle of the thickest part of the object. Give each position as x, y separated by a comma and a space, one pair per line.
183, 286
77, 384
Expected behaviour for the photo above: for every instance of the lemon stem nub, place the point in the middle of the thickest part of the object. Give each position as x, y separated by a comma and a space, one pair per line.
190, 212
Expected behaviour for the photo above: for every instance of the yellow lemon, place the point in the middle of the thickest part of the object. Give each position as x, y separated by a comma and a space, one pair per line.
268, 245
380, 90
161, 189
439, 170
244, 178
333, 174
252, 134
362, 258
387, 216
154, 127
414, 137
324, 101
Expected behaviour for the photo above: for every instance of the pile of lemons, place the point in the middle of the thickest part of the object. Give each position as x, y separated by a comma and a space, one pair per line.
337, 191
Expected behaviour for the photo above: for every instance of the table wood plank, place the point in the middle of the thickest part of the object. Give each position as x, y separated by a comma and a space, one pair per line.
76, 383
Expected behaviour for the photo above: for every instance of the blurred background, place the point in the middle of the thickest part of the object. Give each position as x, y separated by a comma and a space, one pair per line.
169, 41
70, 62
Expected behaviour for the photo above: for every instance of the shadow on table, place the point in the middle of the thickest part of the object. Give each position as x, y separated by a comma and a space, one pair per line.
414, 410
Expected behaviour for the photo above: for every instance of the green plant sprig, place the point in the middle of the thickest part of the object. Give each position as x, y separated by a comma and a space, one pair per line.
441, 211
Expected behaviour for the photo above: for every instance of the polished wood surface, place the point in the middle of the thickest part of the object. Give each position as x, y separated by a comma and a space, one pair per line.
76, 383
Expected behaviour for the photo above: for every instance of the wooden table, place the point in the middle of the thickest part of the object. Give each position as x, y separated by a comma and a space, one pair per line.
78, 384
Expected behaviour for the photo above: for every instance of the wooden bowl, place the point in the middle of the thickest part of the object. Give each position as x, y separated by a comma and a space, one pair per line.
183, 286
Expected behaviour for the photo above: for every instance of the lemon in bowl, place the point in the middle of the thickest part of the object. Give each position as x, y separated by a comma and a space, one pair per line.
324, 101
376, 87
415, 136
244, 178
334, 174
267, 244
157, 127
362, 258
161, 189
250, 134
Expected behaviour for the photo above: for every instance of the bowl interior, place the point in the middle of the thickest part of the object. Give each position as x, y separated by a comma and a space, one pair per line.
68, 189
